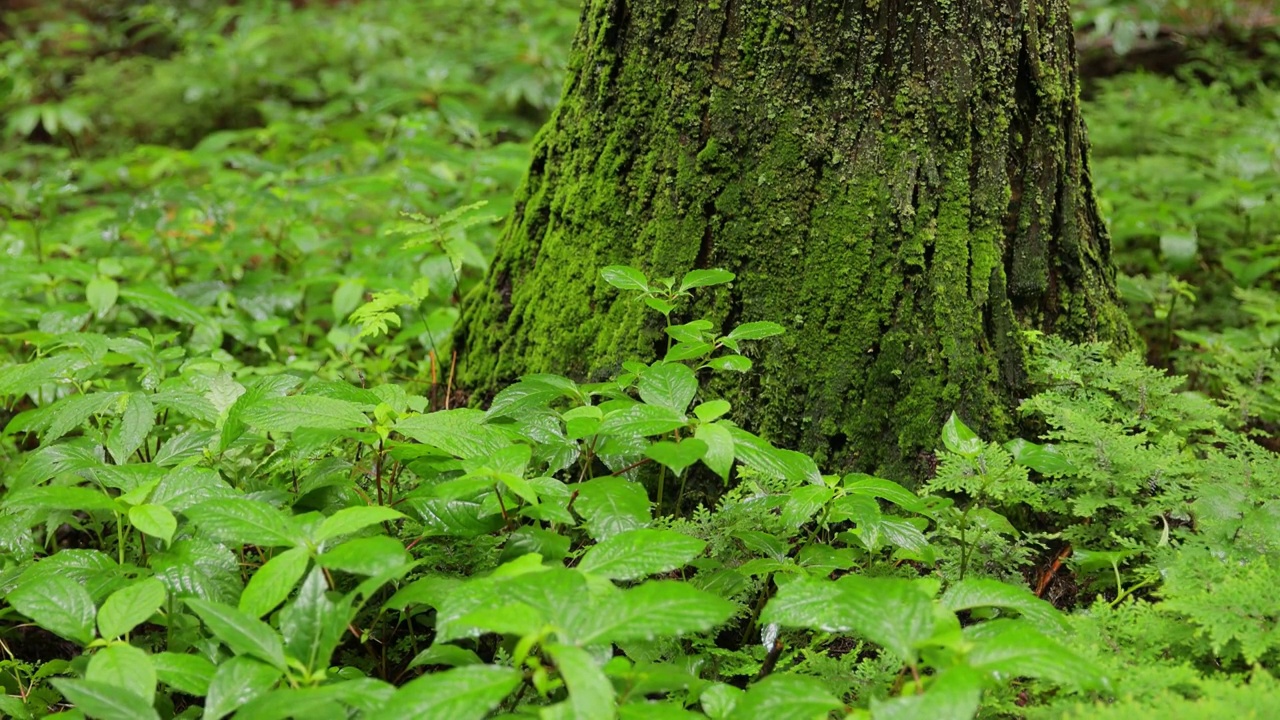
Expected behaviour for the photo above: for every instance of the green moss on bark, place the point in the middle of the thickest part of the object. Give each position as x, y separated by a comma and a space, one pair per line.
904, 185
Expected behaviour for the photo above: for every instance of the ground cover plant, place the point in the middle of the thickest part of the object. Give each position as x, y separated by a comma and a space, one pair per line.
240, 477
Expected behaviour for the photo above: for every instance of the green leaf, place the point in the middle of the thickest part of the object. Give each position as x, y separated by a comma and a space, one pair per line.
642, 420
625, 278
1014, 648
57, 604
895, 614
959, 439
466, 693
1044, 459
732, 363
705, 278
711, 410
668, 385
104, 702
235, 683
185, 673
984, 592
786, 697
313, 624
789, 465
611, 506
720, 448
132, 428
638, 553
354, 519
125, 667
446, 655
241, 521
656, 608
590, 692
677, 456
520, 398
200, 567
272, 583
288, 413
952, 695
129, 607
243, 633
101, 293
756, 331
462, 432
154, 520
366, 556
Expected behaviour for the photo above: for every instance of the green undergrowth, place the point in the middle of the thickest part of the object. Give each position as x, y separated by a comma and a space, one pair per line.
238, 478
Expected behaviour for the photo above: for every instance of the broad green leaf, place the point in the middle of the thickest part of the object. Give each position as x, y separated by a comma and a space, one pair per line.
642, 420
446, 655
520, 398
243, 633
73, 411
126, 667
705, 278
235, 683
129, 607
57, 604
101, 293
272, 583
952, 695
984, 592
462, 432
650, 610
959, 439
132, 427
21, 379
731, 363
590, 692
638, 553
313, 624
466, 693
895, 614
677, 456
59, 497
185, 673
803, 503
719, 700
241, 521
611, 505
786, 697
1044, 459
1015, 648
625, 278
756, 331
326, 701
104, 702
861, 484
154, 520
720, 449
198, 567
785, 464
288, 413
711, 410
668, 385
366, 556
354, 519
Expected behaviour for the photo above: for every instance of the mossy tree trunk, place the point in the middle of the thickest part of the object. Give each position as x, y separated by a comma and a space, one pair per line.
904, 184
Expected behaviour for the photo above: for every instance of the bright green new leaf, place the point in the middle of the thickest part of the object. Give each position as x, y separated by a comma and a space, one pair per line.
186, 673
241, 521
131, 428
959, 439
366, 556
354, 519
312, 625
638, 553
591, 694
642, 420
711, 410
705, 278
720, 448
611, 505
235, 683
460, 432
1015, 648
756, 331
677, 456
983, 592
1044, 459
272, 583
154, 520
625, 278
650, 610
953, 695
129, 607
125, 667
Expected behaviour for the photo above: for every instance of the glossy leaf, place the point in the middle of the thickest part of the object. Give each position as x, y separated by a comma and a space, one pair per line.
638, 553
129, 607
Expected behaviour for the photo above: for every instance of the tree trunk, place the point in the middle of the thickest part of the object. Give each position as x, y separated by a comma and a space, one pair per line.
903, 184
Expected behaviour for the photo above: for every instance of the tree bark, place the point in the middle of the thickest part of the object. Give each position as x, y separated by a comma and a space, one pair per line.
903, 184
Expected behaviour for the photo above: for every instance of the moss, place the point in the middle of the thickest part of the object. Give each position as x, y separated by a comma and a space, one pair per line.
905, 203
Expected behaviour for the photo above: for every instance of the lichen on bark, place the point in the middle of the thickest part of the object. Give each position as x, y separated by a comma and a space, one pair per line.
903, 184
